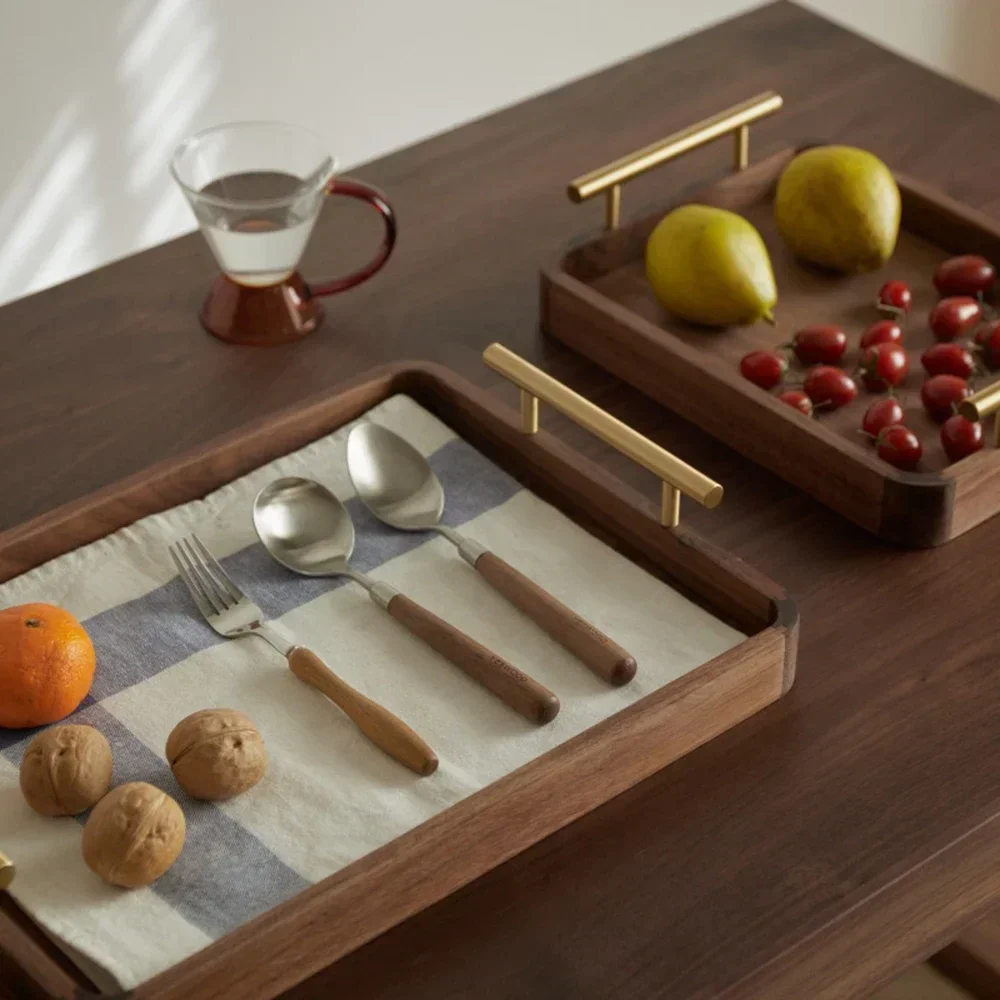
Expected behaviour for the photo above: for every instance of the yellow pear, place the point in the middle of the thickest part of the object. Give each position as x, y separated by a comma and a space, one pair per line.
710, 266
839, 207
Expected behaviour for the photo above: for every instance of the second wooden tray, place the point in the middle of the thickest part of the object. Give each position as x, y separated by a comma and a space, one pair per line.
595, 299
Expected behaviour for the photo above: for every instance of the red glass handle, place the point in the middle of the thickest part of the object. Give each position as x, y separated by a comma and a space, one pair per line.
355, 189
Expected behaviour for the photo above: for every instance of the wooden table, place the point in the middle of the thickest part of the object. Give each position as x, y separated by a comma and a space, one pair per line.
816, 850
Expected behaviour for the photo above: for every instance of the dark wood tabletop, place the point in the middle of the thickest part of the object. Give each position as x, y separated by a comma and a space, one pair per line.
814, 851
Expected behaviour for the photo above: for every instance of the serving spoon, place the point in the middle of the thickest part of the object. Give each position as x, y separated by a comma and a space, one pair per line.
309, 531
399, 487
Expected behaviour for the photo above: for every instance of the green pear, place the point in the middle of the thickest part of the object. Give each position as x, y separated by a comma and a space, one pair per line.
711, 266
838, 207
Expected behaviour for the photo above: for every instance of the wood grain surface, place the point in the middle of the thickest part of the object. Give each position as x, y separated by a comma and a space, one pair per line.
864, 805
387, 731
501, 678
585, 641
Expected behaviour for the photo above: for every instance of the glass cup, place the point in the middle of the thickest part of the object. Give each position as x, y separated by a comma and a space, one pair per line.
256, 189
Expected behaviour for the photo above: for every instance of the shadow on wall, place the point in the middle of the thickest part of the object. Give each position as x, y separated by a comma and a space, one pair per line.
55, 210
44, 216
972, 42
94, 97
120, 82
956, 37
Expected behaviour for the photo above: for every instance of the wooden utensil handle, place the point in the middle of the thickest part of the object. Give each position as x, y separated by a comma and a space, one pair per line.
601, 654
6, 871
384, 729
512, 686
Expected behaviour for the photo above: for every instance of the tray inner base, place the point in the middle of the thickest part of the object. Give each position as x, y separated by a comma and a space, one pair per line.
806, 296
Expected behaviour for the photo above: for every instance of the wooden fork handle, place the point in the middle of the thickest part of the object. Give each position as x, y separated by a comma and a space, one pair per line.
512, 686
384, 729
589, 644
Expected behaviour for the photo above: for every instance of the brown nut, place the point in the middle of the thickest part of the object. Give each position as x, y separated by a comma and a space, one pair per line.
134, 835
216, 754
66, 770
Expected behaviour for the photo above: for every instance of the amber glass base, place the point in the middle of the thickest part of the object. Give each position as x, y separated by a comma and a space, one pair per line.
277, 314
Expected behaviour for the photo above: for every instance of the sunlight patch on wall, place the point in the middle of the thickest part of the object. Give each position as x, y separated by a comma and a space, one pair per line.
168, 73
99, 177
46, 203
75, 245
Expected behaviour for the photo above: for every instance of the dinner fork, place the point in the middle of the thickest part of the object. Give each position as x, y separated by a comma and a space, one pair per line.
232, 614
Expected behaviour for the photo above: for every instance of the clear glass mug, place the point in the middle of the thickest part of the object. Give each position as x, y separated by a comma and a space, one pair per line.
256, 189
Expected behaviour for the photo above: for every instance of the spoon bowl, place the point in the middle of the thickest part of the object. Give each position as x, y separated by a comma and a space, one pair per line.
304, 527
393, 479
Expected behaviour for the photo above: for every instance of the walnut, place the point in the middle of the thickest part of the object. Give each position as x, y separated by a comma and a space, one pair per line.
216, 754
66, 770
133, 835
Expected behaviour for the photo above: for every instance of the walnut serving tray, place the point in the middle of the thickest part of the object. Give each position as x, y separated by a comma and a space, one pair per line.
595, 299
298, 939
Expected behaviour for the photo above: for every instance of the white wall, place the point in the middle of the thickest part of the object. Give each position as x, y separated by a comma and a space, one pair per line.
95, 94
959, 38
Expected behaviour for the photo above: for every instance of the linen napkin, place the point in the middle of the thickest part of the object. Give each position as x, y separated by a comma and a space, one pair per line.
329, 796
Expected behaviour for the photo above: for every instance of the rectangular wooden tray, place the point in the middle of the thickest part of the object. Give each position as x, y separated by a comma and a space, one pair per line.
595, 299
303, 936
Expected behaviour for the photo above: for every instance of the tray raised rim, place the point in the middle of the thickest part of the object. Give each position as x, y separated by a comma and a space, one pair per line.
287, 944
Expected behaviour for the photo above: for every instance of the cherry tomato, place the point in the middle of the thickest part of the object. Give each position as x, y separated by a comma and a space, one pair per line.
883, 366
961, 437
968, 275
941, 394
948, 359
829, 387
764, 368
885, 331
798, 399
953, 317
819, 345
881, 414
988, 345
899, 446
895, 297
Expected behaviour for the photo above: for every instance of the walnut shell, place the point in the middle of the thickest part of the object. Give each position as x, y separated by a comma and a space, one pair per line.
134, 835
66, 770
216, 754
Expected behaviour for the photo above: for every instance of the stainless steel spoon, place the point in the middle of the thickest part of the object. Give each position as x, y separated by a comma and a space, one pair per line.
399, 487
309, 531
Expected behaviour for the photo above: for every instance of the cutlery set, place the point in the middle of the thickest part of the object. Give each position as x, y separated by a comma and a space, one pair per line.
309, 531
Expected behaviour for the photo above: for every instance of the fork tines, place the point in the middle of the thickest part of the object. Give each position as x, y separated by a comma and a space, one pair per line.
212, 589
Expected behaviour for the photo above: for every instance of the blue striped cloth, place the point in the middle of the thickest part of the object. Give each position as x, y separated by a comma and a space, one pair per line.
329, 797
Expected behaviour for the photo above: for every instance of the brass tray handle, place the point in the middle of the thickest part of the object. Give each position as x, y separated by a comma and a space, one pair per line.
7, 871
983, 404
735, 120
678, 477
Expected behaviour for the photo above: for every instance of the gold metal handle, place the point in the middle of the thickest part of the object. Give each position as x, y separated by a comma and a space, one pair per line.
7, 871
982, 404
678, 477
735, 120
